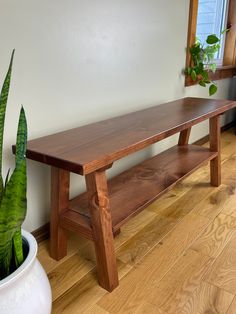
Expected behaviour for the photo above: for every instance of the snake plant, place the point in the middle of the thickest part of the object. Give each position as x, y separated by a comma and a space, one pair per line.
13, 202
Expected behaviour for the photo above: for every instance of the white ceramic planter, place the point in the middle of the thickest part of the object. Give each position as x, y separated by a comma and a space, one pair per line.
27, 290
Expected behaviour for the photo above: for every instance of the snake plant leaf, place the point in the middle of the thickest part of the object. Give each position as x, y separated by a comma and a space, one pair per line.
21, 139
6, 256
7, 176
3, 103
12, 214
20, 156
18, 248
14, 204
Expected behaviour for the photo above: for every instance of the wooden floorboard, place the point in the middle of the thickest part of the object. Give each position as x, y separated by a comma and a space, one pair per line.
208, 299
223, 271
216, 236
146, 276
232, 307
187, 275
177, 256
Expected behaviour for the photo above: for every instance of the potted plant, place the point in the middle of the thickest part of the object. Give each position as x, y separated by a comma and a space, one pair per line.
202, 62
24, 286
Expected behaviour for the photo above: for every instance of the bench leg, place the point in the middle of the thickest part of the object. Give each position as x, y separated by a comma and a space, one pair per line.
102, 230
59, 201
184, 137
215, 164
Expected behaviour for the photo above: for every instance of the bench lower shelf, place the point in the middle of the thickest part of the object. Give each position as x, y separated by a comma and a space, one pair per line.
134, 189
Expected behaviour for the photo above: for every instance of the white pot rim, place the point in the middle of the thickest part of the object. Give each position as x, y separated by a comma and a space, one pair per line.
33, 248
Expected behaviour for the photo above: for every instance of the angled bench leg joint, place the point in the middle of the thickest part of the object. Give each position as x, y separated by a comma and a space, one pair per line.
184, 137
101, 222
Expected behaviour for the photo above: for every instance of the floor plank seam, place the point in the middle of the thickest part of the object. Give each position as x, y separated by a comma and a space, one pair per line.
230, 306
221, 288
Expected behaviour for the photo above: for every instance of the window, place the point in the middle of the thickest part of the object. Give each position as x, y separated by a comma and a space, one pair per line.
211, 17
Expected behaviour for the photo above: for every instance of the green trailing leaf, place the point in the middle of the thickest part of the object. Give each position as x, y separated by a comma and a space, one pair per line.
195, 49
212, 39
212, 67
193, 75
188, 71
201, 66
212, 89
205, 75
13, 202
197, 70
224, 31
202, 61
202, 83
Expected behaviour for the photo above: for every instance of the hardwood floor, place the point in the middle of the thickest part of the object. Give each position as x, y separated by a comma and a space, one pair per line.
177, 256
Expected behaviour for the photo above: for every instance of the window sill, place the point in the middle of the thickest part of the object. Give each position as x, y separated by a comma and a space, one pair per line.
221, 72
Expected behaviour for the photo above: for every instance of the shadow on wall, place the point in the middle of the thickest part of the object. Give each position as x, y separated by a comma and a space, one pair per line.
232, 89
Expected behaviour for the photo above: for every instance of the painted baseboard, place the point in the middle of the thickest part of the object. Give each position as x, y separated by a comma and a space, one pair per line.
42, 233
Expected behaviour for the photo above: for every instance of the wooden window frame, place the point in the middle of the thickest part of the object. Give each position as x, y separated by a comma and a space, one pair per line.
228, 69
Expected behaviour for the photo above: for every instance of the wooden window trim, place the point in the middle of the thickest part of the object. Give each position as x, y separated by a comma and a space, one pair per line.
228, 69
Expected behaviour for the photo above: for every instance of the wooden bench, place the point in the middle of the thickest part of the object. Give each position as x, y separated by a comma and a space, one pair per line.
90, 150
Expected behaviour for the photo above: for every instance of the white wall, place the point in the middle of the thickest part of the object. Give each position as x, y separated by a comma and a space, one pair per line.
81, 61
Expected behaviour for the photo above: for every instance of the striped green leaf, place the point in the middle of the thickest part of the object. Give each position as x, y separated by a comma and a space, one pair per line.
12, 214
13, 202
18, 248
3, 103
21, 139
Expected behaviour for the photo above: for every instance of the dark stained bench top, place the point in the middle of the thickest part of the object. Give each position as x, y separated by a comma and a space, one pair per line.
84, 149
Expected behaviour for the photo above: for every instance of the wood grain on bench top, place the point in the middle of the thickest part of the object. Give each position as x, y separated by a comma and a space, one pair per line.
85, 149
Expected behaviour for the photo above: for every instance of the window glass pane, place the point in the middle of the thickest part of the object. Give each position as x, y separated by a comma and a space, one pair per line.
211, 20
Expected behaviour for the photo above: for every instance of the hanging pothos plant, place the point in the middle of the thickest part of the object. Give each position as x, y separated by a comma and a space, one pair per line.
203, 61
